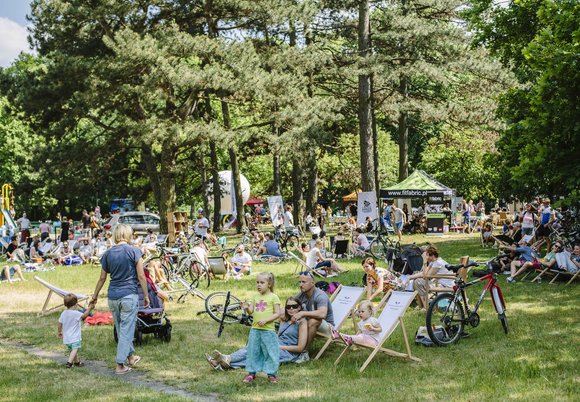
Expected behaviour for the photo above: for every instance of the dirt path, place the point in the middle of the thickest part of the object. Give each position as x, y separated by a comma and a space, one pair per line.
134, 378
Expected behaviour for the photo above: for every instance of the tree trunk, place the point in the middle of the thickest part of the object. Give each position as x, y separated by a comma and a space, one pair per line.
375, 142
312, 189
364, 103
297, 193
235, 173
216, 189
167, 184
151, 167
276, 169
204, 187
403, 136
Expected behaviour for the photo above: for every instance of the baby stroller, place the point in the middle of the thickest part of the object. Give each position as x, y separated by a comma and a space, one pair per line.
150, 320
409, 261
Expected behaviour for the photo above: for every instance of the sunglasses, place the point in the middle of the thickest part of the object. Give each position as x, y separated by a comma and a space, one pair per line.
292, 306
306, 273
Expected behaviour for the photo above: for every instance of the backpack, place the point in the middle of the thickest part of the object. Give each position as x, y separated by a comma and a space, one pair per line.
328, 288
73, 260
422, 336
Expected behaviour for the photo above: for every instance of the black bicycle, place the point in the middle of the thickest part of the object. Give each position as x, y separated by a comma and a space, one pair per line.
288, 240
449, 313
383, 248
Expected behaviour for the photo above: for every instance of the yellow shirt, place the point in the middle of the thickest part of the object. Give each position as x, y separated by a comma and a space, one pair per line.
263, 309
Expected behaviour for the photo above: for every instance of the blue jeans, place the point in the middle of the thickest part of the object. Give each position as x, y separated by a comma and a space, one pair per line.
263, 352
125, 317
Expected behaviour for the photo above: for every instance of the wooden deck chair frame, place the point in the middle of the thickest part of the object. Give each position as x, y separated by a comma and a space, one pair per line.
397, 304
302, 267
462, 272
59, 292
343, 295
558, 273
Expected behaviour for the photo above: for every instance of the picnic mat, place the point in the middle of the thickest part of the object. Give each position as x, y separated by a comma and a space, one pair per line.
104, 318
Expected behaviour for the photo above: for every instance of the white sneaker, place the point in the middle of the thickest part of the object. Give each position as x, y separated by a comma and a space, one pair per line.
511, 280
303, 357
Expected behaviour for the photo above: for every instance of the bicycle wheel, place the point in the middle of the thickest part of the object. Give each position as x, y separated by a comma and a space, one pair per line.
504, 322
214, 305
291, 243
445, 320
377, 249
198, 273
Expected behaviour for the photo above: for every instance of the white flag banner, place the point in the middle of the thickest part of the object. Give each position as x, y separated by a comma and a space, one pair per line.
367, 206
276, 207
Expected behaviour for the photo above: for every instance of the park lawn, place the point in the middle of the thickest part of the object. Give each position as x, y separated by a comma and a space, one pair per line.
536, 361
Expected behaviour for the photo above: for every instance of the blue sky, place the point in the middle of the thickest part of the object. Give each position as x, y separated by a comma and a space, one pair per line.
13, 29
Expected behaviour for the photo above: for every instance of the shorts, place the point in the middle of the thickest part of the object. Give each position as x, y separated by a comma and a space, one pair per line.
321, 264
527, 231
543, 231
204, 238
74, 345
325, 328
398, 226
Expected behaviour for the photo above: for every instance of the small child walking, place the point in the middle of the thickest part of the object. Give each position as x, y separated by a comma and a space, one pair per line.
69, 328
369, 327
263, 347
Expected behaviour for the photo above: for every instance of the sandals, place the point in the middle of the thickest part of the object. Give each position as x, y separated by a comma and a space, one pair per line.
221, 359
124, 371
249, 378
212, 362
136, 359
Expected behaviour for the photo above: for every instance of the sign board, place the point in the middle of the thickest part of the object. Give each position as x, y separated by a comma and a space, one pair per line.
276, 207
435, 224
366, 206
436, 198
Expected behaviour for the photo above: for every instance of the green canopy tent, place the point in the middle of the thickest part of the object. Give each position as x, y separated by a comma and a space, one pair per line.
418, 185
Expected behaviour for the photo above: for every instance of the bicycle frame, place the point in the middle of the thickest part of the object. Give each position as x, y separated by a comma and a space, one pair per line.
497, 297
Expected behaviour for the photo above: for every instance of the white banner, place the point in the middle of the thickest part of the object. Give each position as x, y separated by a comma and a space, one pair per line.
367, 206
276, 207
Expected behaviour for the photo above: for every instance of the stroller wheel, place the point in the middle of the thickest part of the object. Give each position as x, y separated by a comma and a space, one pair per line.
167, 335
139, 337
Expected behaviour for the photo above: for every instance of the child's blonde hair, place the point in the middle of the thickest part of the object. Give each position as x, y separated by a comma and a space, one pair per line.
70, 300
368, 305
269, 278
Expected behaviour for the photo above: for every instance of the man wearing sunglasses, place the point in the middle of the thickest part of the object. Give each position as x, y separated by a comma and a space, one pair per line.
316, 307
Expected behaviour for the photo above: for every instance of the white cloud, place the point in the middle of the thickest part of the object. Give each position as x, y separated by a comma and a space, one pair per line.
12, 41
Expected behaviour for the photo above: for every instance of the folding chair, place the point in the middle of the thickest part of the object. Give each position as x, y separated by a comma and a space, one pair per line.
59, 292
217, 266
340, 248
343, 304
390, 318
301, 265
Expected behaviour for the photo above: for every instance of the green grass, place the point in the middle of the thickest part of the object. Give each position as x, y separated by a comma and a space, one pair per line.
536, 361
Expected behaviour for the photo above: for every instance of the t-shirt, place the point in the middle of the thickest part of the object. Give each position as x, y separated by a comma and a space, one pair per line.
86, 220
272, 248
546, 214
363, 241
372, 321
319, 299
527, 220
198, 229
44, 227
439, 266
399, 215
239, 259
71, 326
525, 253
288, 219
312, 257
264, 308
11, 248
120, 262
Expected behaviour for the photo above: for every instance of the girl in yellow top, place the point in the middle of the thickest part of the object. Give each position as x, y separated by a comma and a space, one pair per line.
263, 348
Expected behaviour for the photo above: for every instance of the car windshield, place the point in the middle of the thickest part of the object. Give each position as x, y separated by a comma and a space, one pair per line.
131, 219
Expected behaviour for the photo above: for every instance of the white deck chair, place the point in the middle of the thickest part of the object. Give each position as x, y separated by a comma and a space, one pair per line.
390, 318
59, 292
343, 304
301, 265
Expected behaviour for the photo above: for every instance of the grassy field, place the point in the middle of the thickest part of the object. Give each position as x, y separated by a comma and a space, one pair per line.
538, 360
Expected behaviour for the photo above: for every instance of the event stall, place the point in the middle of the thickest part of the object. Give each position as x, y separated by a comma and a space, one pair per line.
420, 185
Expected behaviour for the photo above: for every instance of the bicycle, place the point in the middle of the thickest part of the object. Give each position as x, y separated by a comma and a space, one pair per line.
286, 240
447, 312
383, 248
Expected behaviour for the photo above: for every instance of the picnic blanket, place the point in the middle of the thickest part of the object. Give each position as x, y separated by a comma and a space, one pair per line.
104, 318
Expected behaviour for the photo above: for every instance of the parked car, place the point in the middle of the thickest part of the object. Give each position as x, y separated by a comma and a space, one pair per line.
139, 221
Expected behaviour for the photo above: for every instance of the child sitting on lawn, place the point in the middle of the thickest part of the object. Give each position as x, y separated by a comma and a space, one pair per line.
369, 327
69, 328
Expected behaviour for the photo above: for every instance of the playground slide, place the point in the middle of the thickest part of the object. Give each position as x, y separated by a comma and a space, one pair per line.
8, 220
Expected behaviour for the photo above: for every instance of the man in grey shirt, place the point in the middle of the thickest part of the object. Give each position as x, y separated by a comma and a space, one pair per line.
316, 307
